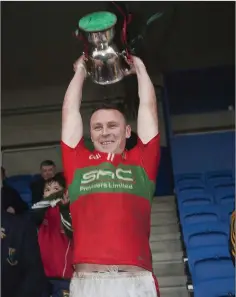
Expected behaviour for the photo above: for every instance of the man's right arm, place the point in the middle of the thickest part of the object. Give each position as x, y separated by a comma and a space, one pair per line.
72, 125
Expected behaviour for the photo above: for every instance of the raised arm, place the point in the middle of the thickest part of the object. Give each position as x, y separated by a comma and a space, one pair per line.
72, 125
147, 112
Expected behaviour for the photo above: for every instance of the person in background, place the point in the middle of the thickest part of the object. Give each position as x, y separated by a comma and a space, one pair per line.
10, 198
232, 245
55, 246
47, 170
22, 273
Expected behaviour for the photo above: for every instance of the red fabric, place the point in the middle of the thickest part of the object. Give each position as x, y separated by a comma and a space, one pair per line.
127, 21
157, 285
112, 233
55, 247
112, 228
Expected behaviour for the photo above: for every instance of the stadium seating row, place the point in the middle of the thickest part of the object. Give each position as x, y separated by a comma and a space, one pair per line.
205, 204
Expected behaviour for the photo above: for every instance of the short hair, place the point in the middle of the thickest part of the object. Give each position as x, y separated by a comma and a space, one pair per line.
108, 104
47, 163
58, 178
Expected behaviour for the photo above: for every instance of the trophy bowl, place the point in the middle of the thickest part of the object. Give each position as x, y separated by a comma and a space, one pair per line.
105, 64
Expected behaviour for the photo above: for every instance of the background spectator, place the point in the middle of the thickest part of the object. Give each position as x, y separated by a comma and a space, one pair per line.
55, 247
48, 170
21, 266
232, 237
10, 198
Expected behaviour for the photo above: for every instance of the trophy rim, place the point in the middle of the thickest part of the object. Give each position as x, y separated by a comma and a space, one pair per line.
98, 30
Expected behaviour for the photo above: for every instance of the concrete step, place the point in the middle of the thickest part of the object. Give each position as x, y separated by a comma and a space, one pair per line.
164, 257
164, 199
163, 216
167, 249
163, 207
171, 281
163, 220
164, 237
169, 269
171, 228
179, 291
168, 246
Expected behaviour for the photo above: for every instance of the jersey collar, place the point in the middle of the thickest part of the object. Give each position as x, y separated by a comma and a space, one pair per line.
110, 157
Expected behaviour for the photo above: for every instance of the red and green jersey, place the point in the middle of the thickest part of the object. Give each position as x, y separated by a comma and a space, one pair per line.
111, 198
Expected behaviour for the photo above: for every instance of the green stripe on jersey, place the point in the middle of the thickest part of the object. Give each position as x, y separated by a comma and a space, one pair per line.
106, 178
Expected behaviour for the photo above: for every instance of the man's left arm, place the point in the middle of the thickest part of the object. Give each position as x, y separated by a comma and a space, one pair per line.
147, 112
147, 124
34, 279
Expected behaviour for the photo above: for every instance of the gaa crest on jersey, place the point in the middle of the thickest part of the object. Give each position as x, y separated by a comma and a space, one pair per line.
94, 156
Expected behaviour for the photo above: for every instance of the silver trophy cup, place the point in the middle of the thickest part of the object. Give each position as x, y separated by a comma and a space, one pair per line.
105, 64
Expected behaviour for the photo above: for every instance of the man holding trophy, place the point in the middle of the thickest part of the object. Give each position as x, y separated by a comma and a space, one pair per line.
111, 189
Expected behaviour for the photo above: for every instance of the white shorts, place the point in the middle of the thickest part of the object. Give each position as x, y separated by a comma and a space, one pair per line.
113, 284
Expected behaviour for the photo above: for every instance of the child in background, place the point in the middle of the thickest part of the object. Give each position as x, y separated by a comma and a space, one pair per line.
52, 216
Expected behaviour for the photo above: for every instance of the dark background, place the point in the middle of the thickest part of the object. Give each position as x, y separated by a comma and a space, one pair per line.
38, 48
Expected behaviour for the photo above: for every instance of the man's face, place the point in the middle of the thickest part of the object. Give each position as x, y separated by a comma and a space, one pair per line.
51, 188
48, 172
109, 131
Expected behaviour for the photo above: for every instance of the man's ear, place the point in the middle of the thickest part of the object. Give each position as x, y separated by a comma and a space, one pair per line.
128, 131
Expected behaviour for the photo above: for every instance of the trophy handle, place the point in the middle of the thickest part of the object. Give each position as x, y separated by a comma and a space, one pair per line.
127, 62
87, 65
79, 35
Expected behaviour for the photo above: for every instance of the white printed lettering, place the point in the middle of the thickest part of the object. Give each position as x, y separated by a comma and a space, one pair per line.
120, 174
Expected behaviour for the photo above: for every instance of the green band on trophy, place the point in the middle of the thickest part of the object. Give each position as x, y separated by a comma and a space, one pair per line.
97, 21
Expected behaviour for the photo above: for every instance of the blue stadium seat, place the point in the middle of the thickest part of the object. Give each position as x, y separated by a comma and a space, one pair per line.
25, 190
191, 189
20, 187
19, 182
218, 178
27, 198
225, 194
208, 263
188, 176
193, 179
218, 174
226, 212
193, 198
206, 234
199, 214
189, 183
224, 287
17, 178
222, 181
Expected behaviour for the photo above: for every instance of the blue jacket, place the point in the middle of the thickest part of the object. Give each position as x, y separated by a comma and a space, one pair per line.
22, 273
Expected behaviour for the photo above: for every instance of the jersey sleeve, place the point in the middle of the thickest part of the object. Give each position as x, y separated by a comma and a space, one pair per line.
72, 158
149, 155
